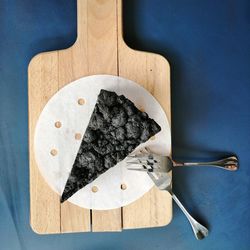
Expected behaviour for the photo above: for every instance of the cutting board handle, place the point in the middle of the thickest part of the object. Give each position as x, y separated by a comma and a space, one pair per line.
99, 19
100, 34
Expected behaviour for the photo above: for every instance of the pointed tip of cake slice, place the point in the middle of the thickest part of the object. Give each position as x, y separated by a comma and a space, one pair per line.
68, 191
63, 197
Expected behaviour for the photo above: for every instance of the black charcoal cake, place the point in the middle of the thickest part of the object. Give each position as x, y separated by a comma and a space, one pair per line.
115, 129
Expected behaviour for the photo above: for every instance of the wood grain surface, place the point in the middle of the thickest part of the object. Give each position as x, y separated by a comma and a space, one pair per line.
99, 49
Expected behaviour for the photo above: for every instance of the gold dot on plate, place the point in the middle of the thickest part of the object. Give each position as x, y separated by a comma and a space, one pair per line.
123, 186
78, 136
53, 152
58, 124
94, 189
152, 138
81, 101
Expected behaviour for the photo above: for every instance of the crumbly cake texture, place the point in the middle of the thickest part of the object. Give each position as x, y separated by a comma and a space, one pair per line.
115, 129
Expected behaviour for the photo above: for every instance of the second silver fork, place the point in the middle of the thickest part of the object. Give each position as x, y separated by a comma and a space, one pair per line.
163, 182
157, 167
148, 161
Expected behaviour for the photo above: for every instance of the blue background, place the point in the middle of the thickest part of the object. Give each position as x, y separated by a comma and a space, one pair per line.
208, 46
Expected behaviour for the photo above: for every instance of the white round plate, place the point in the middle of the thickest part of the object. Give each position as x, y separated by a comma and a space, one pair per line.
74, 118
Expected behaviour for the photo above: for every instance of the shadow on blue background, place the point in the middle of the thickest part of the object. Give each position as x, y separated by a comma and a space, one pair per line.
208, 46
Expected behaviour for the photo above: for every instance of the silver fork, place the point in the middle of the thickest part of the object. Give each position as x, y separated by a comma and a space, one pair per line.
148, 161
163, 182
157, 167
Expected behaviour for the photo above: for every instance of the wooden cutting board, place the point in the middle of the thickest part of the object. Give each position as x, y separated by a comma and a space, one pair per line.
99, 49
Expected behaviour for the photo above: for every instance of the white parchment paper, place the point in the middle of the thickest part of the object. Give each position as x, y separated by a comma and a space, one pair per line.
64, 107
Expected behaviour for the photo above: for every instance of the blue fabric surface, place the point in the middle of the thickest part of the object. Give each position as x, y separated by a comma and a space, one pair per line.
208, 46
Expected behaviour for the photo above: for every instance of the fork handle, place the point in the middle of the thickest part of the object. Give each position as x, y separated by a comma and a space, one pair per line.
230, 163
199, 230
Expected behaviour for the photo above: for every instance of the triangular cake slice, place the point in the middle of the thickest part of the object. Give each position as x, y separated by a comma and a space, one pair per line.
115, 129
